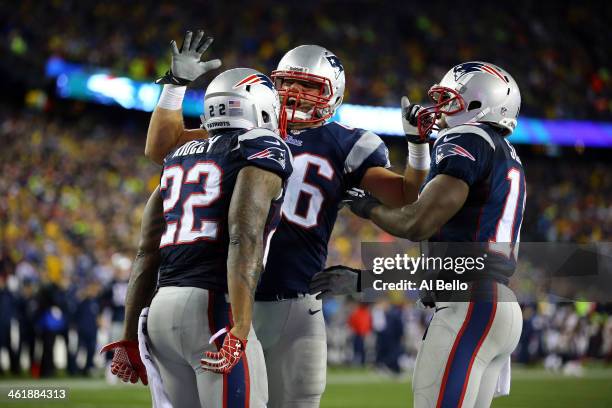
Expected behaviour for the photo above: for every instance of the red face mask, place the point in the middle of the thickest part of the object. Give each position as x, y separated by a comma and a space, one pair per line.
319, 97
447, 101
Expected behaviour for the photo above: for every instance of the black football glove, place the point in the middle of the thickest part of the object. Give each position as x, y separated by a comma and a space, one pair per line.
186, 64
360, 202
336, 280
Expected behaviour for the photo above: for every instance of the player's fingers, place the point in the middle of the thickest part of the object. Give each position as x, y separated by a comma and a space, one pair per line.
319, 277
213, 364
196, 41
211, 358
108, 347
319, 286
324, 294
214, 370
116, 368
174, 48
144, 379
210, 65
213, 355
205, 44
405, 102
186, 41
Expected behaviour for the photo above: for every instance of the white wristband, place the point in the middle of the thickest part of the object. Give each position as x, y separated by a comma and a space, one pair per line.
418, 156
172, 97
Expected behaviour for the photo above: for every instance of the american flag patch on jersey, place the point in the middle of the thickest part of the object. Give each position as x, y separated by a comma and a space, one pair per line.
233, 104
451, 149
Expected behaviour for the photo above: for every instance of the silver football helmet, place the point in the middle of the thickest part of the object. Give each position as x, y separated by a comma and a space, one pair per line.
473, 92
316, 66
242, 98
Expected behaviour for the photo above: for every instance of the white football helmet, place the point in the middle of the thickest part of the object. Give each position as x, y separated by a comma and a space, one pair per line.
473, 92
242, 98
315, 65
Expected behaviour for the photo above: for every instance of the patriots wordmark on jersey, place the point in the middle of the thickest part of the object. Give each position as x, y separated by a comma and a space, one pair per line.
196, 185
327, 161
493, 211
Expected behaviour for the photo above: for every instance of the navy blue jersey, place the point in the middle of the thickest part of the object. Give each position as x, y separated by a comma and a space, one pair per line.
197, 185
493, 212
327, 160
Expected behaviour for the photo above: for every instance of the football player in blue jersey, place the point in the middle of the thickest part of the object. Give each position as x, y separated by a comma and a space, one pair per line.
475, 192
329, 158
221, 198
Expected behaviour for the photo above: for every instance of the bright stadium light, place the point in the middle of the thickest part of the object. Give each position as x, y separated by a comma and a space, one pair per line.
101, 87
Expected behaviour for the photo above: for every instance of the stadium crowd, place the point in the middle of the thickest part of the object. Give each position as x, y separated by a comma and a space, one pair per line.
73, 194
556, 53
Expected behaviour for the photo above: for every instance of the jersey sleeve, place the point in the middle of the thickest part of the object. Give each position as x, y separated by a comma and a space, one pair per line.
368, 150
264, 149
466, 156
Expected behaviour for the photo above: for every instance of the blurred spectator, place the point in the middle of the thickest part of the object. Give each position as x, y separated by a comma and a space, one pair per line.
360, 323
27, 306
86, 321
7, 314
50, 322
558, 55
392, 337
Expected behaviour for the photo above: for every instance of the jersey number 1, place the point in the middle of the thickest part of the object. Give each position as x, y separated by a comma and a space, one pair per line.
504, 242
182, 231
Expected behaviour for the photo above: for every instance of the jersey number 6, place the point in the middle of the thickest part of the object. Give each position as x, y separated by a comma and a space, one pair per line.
303, 200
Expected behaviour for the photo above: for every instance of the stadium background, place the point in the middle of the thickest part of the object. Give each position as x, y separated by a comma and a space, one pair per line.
74, 179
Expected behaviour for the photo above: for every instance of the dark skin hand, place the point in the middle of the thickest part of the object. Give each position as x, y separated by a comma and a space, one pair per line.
440, 200
143, 279
254, 190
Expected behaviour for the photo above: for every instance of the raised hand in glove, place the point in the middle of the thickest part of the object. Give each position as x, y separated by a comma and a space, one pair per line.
360, 202
227, 357
410, 113
186, 64
336, 280
126, 363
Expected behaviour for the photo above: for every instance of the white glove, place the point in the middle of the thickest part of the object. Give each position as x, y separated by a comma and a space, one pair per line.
186, 64
410, 114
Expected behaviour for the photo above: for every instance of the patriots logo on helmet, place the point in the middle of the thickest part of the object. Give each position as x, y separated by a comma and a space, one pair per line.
462, 69
273, 153
451, 149
256, 79
336, 64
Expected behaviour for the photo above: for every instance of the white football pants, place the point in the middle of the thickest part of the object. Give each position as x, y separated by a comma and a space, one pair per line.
180, 323
464, 350
292, 334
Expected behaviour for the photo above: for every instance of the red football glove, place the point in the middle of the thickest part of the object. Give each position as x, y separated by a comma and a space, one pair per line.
227, 357
126, 363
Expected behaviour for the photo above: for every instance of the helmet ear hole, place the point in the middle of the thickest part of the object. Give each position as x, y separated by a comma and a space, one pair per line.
265, 116
474, 105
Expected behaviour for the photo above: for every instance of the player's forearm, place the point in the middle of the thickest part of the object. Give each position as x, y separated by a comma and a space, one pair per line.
413, 179
244, 267
141, 288
439, 201
401, 222
165, 129
143, 278
254, 190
